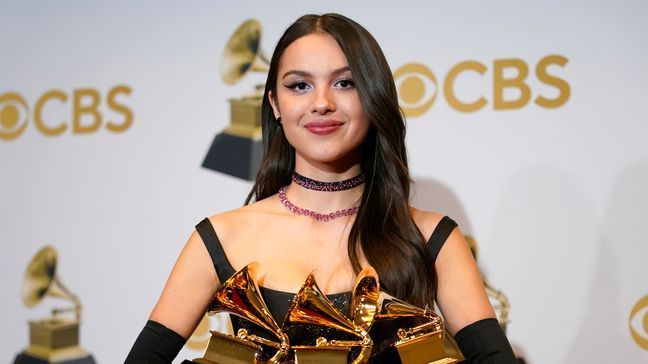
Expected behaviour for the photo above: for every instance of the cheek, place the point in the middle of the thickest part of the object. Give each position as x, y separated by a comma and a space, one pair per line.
291, 111
363, 130
357, 113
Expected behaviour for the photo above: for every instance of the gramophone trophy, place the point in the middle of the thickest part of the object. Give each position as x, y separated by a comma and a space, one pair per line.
311, 307
416, 334
238, 149
240, 295
54, 339
378, 329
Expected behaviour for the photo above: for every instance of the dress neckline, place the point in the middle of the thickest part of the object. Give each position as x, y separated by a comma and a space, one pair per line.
286, 293
226, 269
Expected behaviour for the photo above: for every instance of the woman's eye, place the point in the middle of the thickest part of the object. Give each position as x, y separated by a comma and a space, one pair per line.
346, 83
298, 86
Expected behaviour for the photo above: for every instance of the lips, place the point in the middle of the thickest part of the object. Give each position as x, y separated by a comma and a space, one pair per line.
323, 127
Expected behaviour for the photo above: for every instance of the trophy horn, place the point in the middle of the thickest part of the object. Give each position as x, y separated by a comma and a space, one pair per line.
240, 295
311, 307
392, 307
41, 280
364, 299
243, 53
419, 333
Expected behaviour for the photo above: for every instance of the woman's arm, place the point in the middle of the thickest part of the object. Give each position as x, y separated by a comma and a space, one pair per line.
468, 313
189, 289
460, 292
182, 304
462, 299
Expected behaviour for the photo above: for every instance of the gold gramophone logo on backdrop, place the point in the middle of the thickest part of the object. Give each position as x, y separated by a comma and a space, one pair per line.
638, 322
54, 339
238, 149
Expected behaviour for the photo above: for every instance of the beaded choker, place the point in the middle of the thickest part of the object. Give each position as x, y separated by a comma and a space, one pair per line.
315, 215
312, 184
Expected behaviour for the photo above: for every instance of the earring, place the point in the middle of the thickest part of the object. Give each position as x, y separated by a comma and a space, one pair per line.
279, 120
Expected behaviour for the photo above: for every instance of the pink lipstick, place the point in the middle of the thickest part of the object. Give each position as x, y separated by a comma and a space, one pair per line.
323, 127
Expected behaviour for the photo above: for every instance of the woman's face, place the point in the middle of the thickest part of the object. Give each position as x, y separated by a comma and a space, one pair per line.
317, 101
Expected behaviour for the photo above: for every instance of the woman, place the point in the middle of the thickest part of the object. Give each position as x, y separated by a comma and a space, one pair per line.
330, 115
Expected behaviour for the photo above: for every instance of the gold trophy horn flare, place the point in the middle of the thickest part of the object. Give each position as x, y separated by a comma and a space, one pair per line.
364, 298
240, 295
41, 280
311, 307
243, 53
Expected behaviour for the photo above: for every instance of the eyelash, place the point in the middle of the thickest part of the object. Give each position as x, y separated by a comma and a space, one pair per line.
295, 85
347, 80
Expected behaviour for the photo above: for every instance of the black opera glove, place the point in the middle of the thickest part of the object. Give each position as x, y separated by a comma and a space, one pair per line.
156, 344
484, 342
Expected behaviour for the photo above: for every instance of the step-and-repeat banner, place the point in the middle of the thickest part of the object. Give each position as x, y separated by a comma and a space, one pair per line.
527, 124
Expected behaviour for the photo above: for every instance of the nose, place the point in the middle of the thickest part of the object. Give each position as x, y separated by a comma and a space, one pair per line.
323, 103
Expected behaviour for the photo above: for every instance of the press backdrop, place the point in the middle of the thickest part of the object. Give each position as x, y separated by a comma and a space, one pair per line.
527, 124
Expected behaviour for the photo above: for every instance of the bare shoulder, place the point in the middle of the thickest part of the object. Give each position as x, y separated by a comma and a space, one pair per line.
228, 224
426, 221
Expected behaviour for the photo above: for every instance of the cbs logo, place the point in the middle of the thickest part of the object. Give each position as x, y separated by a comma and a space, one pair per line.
85, 113
638, 322
418, 87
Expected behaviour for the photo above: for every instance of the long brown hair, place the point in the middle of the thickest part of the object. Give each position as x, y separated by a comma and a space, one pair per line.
383, 230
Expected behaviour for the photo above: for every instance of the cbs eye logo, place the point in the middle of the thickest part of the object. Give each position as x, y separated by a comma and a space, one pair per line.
638, 322
13, 115
86, 116
418, 87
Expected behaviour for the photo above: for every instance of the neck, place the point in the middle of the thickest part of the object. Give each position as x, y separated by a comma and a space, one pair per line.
325, 201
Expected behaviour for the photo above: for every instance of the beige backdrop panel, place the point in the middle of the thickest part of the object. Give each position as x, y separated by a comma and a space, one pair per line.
555, 197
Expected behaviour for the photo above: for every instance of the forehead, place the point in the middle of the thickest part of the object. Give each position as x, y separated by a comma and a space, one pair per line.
315, 53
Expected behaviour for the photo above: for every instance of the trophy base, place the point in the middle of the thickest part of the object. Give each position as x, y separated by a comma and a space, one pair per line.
228, 349
234, 155
26, 358
320, 355
54, 340
425, 349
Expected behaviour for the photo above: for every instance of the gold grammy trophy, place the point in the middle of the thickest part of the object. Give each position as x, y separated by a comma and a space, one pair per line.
311, 307
240, 295
378, 325
417, 334
238, 150
54, 339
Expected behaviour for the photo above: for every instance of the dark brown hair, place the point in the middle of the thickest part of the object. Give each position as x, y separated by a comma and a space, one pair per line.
383, 230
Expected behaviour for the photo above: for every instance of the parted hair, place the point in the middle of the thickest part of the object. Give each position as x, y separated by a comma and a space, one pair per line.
383, 230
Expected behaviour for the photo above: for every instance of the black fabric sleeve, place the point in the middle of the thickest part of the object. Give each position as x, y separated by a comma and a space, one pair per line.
439, 236
484, 342
156, 344
223, 267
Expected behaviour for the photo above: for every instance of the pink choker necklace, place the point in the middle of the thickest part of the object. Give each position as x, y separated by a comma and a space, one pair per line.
312, 184
315, 215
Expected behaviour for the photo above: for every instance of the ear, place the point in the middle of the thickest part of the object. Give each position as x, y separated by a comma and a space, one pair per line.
273, 103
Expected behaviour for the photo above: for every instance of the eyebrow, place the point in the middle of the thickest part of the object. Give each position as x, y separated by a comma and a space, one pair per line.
307, 74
